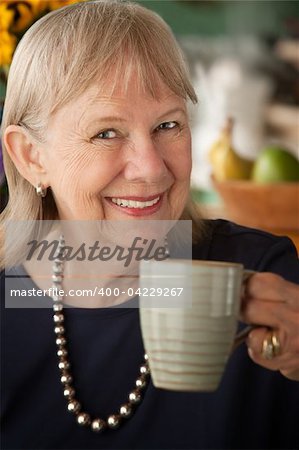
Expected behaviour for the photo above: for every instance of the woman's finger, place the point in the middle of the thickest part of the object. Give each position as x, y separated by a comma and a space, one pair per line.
271, 301
282, 357
272, 287
261, 312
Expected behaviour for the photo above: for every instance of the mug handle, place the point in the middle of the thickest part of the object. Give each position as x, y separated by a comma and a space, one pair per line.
242, 335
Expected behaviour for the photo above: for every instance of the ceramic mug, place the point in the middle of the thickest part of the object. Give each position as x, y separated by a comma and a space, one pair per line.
189, 313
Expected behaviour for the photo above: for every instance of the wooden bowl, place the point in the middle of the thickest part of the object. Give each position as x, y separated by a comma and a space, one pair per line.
272, 206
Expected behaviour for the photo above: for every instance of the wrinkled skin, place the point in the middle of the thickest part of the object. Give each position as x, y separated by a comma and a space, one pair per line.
271, 301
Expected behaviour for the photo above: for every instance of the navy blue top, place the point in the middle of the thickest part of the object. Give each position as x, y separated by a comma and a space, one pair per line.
253, 408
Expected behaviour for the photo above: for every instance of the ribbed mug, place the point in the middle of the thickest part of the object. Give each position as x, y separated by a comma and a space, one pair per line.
189, 312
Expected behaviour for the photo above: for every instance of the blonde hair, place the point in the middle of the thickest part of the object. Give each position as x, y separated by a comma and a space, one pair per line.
62, 54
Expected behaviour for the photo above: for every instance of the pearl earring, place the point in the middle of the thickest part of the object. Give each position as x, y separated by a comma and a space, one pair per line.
40, 190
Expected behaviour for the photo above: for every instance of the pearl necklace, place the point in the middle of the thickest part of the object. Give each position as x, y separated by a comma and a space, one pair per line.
73, 405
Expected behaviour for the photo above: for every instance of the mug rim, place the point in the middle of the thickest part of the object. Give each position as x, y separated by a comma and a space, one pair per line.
194, 263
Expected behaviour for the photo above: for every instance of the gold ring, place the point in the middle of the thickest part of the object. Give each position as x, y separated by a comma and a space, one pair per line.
271, 346
276, 344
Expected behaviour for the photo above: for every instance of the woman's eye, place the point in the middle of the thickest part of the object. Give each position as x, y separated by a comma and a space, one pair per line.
106, 134
167, 125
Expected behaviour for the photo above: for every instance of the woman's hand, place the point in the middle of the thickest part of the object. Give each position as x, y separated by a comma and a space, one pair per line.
273, 303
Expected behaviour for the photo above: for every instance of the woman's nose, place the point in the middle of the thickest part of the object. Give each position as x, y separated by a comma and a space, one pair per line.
145, 161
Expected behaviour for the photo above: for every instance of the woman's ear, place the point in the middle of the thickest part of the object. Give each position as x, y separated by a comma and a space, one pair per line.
24, 151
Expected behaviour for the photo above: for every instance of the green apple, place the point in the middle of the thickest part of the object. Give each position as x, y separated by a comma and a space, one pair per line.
275, 165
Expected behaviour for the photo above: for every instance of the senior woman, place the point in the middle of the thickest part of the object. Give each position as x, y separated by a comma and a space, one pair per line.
96, 127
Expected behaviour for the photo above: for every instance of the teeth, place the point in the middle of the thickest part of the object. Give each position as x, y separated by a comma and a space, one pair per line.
133, 203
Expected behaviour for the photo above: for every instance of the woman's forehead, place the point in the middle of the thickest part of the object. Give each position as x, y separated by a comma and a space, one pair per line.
102, 100
116, 93
117, 88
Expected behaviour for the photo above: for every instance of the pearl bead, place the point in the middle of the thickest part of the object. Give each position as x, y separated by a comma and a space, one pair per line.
144, 369
135, 397
113, 421
98, 425
74, 406
146, 357
66, 378
61, 340
140, 383
83, 419
59, 329
58, 318
69, 392
57, 278
58, 267
57, 306
63, 365
61, 352
58, 253
59, 258
125, 410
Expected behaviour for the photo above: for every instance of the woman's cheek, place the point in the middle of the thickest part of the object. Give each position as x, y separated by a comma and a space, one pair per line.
85, 172
180, 160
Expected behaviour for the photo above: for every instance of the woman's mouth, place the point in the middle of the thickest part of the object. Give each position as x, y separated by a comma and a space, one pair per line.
137, 206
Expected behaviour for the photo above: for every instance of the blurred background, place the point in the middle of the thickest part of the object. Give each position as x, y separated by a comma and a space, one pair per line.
244, 60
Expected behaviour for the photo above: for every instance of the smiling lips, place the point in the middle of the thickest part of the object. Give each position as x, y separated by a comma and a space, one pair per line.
134, 203
138, 205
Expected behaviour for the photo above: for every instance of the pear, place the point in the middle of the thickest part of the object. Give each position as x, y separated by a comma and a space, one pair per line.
226, 163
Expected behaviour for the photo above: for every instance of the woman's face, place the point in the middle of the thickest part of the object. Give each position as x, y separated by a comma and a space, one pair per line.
120, 157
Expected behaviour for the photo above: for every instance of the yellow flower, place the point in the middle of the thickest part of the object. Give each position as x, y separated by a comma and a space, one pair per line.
7, 47
38, 6
23, 16
23, 12
6, 17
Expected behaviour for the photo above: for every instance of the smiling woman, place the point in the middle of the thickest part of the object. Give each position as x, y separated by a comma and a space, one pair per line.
101, 149
94, 90
104, 134
96, 139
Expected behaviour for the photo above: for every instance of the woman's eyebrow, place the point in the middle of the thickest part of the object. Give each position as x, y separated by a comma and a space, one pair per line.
121, 119
105, 119
110, 119
172, 111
